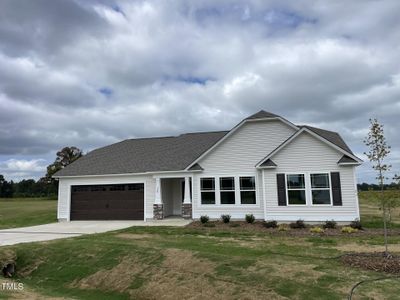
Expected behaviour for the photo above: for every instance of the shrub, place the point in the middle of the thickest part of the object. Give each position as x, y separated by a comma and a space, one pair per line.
356, 224
283, 227
330, 224
209, 225
271, 224
299, 224
348, 229
204, 219
226, 218
234, 225
250, 218
317, 229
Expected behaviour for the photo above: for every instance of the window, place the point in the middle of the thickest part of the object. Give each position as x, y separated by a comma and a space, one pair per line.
117, 188
247, 190
207, 187
97, 188
135, 187
227, 187
296, 189
320, 189
77, 189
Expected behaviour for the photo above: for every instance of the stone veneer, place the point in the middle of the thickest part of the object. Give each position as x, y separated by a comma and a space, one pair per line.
158, 212
187, 210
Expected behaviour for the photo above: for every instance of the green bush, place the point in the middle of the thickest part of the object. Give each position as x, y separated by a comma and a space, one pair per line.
299, 224
356, 224
226, 218
250, 218
209, 225
348, 229
234, 225
317, 229
204, 219
271, 224
330, 224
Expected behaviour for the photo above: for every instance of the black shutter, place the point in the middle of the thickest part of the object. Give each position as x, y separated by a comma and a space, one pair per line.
281, 185
336, 189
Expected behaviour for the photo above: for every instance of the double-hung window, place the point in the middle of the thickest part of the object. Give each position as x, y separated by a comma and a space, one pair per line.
227, 190
320, 189
247, 190
207, 189
296, 189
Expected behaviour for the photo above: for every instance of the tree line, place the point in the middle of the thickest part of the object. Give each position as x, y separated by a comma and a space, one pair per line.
376, 187
46, 186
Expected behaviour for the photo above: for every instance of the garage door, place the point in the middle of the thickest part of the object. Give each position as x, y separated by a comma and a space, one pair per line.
107, 202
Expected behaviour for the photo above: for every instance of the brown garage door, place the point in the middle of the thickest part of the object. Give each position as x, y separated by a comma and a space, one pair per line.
107, 202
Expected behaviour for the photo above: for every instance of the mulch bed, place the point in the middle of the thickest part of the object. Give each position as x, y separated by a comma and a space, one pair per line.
377, 261
258, 227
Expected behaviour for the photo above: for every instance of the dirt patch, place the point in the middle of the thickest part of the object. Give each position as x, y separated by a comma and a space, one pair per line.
181, 275
354, 247
293, 270
134, 236
185, 261
377, 261
258, 227
117, 279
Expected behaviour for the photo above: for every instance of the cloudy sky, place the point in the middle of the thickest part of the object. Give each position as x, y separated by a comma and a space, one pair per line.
90, 73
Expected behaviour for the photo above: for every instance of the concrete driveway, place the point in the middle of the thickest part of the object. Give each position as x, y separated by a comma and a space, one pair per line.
61, 230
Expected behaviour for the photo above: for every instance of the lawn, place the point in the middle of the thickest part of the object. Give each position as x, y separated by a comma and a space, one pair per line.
187, 263
371, 215
19, 212
197, 263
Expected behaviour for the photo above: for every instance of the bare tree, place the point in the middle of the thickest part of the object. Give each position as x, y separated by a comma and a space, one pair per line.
378, 152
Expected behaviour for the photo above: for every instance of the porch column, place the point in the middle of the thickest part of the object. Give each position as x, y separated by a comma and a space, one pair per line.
158, 209
187, 201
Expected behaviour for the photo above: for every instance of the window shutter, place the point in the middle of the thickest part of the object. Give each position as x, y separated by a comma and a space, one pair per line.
336, 189
281, 186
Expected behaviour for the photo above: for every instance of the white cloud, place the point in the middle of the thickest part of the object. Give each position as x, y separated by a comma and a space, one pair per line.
180, 66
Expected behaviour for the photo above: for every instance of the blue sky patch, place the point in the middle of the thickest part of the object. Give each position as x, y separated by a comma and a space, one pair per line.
106, 91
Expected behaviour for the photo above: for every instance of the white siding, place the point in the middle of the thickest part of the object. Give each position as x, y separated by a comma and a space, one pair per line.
64, 193
308, 154
237, 156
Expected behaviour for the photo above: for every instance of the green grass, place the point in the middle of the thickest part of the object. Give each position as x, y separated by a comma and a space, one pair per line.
20, 212
150, 262
187, 263
371, 215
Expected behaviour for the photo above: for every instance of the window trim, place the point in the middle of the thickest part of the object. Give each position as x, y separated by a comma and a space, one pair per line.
208, 191
221, 190
330, 189
238, 199
252, 190
296, 189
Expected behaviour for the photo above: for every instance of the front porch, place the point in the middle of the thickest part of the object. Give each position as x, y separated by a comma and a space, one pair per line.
173, 197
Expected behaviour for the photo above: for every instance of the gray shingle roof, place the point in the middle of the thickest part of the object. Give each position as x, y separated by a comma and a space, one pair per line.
346, 159
262, 114
173, 153
331, 136
268, 163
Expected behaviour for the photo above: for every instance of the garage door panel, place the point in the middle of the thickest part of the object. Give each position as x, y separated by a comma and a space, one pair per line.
107, 202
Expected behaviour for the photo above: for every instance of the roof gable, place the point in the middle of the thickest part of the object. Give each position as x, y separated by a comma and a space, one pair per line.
316, 135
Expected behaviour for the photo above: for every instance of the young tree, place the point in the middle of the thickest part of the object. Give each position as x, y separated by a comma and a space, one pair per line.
378, 152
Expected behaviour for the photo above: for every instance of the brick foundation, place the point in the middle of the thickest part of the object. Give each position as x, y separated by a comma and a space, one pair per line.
158, 211
187, 210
